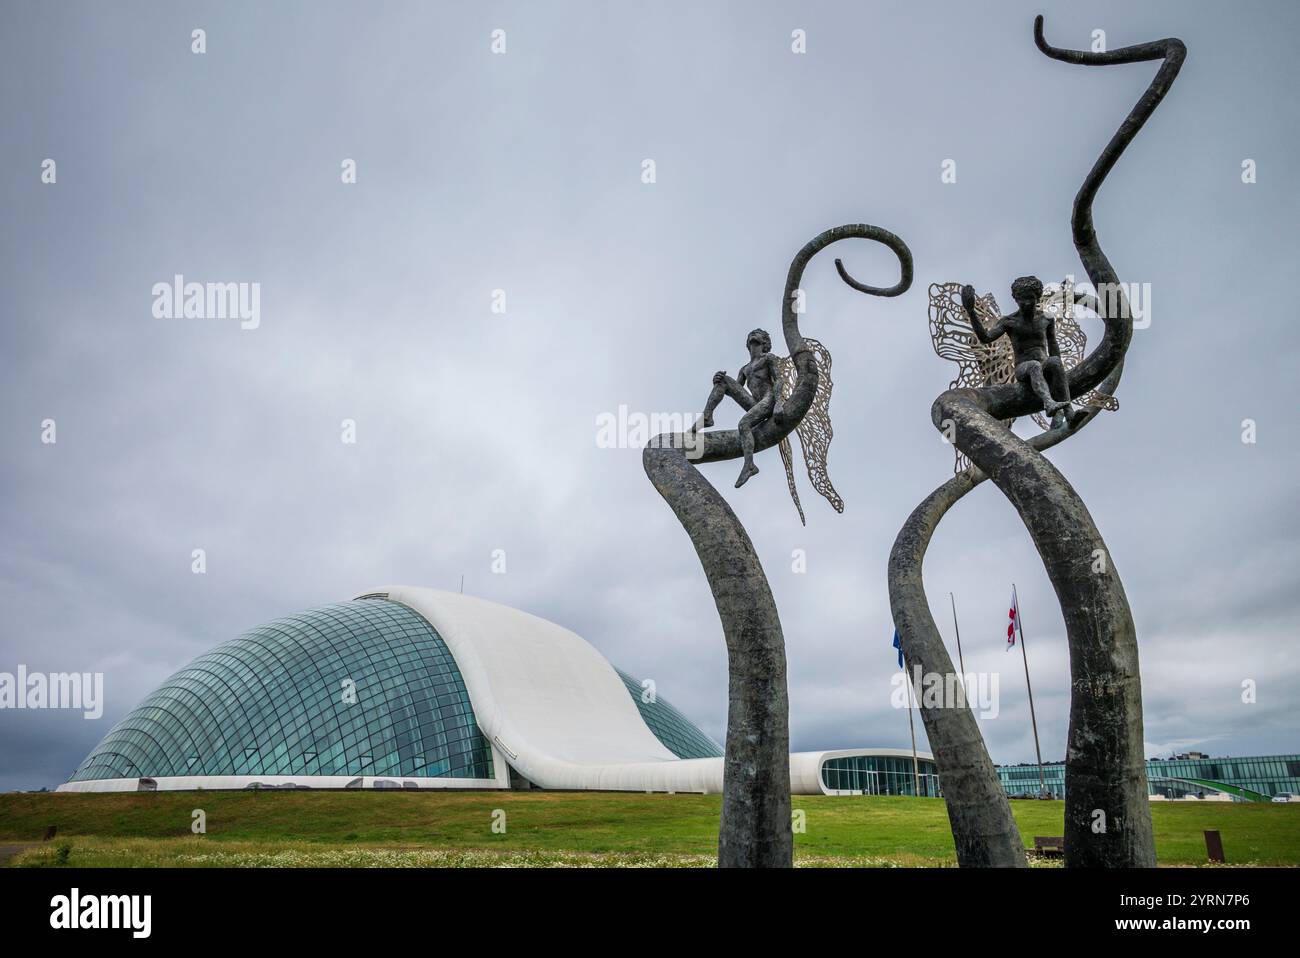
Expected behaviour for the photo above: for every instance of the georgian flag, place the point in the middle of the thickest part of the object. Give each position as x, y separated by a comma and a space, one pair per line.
1013, 626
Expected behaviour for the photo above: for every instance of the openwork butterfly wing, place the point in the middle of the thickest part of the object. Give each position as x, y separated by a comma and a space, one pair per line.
788, 377
814, 431
977, 364
787, 460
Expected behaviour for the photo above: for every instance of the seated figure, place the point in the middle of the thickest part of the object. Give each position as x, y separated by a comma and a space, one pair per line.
756, 389
1033, 343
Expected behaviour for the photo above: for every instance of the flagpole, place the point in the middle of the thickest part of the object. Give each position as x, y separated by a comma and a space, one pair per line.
957, 629
1020, 627
911, 725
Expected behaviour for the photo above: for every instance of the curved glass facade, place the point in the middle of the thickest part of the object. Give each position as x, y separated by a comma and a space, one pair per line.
356, 688
677, 733
1251, 778
880, 775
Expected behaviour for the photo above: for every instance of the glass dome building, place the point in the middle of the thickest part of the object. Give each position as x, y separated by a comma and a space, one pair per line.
413, 688
353, 689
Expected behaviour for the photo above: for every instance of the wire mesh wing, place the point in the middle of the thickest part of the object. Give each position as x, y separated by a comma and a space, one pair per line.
787, 460
788, 376
814, 431
978, 364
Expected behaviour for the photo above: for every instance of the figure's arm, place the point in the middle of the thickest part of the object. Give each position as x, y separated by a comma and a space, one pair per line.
1052, 348
774, 372
740, 376
985, 336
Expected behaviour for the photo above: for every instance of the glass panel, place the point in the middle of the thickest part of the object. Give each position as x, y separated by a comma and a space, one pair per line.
362, 687
677, 733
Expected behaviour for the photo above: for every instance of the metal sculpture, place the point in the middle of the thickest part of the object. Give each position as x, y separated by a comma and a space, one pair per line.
760, 388
1107, 818
755, 826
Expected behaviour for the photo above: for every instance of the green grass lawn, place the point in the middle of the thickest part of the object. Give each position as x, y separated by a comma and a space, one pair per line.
548, 828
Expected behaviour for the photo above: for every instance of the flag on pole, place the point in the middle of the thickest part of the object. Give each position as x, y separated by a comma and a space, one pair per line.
1013, 626
900, 649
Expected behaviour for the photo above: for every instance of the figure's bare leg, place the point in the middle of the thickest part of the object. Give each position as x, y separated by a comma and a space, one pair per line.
715, 397
1032, 372
1058, 381
760, 411
727, 387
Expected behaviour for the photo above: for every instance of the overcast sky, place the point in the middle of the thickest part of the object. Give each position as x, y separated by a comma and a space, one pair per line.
476, 431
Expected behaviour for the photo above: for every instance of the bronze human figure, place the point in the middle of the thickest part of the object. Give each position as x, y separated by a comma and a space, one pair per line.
1032, 333
755, 389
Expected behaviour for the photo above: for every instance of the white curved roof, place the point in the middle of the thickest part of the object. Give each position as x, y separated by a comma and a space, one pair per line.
558, 712
553, 708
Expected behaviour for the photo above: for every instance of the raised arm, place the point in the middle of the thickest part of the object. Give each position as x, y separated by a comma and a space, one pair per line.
985, 336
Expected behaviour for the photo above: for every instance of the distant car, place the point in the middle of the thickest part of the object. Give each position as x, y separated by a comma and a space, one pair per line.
1284, 797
